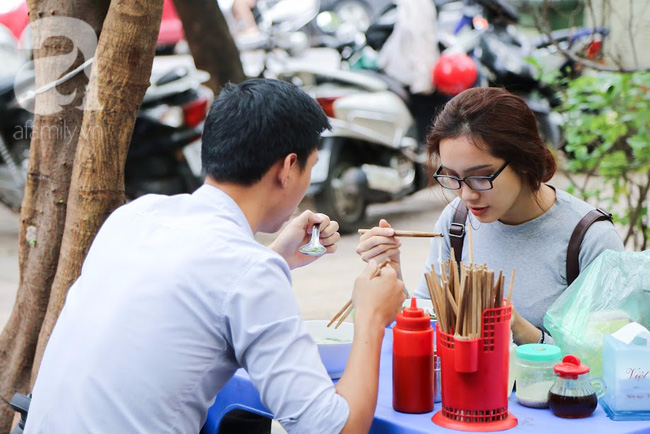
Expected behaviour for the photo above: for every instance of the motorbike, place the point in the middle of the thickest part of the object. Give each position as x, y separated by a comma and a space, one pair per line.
284, 35
505, 55
164, 154
375, 151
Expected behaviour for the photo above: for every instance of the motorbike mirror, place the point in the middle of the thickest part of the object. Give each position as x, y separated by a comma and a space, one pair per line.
173, 75
328, 22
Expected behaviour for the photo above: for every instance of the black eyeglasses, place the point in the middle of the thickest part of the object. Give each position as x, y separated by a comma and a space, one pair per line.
478, 183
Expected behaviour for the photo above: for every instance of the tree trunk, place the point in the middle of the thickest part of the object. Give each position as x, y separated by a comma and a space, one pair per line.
210, 41
44, 206
119, 79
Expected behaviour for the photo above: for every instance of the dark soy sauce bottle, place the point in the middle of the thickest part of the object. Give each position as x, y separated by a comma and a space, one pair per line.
572, 395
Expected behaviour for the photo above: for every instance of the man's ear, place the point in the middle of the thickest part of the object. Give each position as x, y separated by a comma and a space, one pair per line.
284, 169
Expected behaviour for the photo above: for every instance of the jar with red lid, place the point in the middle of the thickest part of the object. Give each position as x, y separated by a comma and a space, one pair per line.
413, 374
572, 395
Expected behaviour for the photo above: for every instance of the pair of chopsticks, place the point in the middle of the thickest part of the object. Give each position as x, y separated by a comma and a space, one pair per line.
342, 314
414, 234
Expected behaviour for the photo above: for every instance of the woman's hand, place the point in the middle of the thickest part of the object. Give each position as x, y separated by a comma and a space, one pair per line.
523, 331
298, 232
380, 244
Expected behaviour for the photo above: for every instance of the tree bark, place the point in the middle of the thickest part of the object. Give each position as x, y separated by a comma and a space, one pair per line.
210, 41
43, 212
119, 79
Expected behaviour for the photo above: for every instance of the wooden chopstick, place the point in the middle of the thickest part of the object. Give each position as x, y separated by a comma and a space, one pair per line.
413, 234
345, 315
512, 281
345, 311
471, 245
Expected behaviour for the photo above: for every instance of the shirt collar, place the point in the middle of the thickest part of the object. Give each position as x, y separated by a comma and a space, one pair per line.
220, 200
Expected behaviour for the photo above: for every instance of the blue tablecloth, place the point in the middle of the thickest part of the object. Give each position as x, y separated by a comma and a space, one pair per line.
240, 393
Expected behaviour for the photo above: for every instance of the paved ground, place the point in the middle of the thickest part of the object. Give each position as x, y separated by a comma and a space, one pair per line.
321, 288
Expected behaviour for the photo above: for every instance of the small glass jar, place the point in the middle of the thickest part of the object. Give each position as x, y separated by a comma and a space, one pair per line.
572, 395
534, 373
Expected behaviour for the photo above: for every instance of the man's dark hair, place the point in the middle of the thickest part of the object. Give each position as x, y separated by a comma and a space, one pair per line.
254, 124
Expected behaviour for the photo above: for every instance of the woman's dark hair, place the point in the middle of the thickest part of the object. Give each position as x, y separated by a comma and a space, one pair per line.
503, 123
254, 124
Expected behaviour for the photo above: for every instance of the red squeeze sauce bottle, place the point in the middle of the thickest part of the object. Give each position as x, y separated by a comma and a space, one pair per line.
413, 361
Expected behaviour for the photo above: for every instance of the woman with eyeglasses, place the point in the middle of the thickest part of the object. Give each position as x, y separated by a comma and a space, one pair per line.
491, 155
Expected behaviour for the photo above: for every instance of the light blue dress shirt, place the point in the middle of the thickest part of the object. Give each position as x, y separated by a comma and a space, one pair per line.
174, 296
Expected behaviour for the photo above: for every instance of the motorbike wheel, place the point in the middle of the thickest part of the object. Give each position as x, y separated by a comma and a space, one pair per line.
342, 199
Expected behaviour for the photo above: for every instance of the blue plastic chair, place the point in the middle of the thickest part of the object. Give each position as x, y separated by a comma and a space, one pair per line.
238, 394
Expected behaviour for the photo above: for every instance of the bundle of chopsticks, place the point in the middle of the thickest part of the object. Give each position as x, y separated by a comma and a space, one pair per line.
461, 294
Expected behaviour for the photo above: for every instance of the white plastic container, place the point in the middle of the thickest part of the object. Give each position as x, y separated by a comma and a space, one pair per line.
534, 373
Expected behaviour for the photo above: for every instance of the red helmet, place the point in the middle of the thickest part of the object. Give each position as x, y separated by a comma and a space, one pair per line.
454, 72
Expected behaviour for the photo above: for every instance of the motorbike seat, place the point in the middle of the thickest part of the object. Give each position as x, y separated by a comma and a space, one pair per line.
394, 85
320, 74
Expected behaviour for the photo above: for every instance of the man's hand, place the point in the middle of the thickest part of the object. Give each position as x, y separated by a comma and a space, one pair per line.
298, 232
378, 294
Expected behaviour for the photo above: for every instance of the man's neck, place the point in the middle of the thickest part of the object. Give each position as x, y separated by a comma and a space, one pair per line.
252, 200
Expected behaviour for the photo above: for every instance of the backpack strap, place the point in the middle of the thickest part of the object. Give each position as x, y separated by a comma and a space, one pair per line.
572, 264
457, 231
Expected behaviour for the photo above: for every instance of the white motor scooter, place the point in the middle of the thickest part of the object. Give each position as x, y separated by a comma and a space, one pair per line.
375, 151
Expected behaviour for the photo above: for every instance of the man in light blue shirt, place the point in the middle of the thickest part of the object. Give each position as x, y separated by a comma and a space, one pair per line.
175, 293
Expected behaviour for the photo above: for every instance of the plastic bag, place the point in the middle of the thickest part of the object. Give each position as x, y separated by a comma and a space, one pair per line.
611, 292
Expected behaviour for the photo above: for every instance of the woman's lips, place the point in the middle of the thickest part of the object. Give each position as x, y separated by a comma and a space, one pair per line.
478, 211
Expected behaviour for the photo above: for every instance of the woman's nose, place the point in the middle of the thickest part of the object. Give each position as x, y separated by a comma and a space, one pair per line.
467, 194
